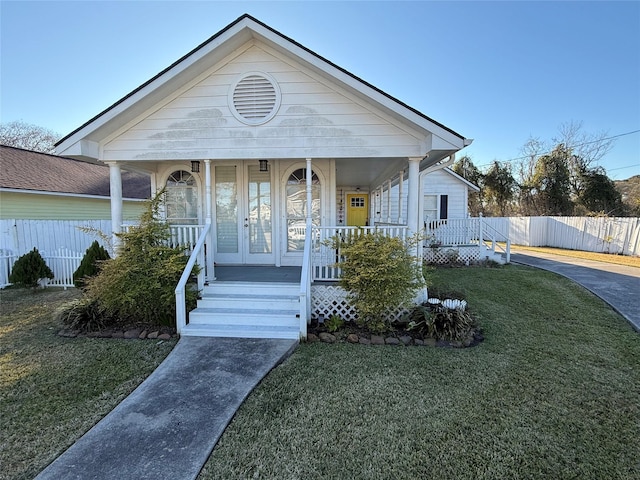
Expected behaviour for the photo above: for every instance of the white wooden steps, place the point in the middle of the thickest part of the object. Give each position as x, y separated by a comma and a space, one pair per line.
246, 310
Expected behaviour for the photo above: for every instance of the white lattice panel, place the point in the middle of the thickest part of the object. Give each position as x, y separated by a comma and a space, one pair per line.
330, 300
458, 255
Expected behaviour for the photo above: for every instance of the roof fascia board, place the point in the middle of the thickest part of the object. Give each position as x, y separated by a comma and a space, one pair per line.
65, 194
462, 179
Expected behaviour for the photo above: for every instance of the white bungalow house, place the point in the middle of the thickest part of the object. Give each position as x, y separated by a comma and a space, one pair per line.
266, 148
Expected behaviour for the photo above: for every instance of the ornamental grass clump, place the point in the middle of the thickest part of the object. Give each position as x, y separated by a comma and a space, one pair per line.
379, 274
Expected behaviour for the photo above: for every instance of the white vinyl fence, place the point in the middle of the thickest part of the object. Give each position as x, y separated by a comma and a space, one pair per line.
61, 243
616, 235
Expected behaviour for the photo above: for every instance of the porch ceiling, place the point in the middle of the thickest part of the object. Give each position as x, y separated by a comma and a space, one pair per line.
364, 171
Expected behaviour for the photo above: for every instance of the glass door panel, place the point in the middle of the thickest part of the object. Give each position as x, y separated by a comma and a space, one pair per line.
259, 221
227, 225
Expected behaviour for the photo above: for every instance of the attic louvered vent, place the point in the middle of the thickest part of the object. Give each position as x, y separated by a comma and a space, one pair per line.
255, 98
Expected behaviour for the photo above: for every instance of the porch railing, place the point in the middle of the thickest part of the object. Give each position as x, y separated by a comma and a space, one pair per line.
197, 255
465, 232
181, 235
326, 258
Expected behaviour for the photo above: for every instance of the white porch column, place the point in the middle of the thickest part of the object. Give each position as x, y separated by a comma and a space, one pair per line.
208, 205
309, 190
389, 201
400, 188
115, 192
413, 195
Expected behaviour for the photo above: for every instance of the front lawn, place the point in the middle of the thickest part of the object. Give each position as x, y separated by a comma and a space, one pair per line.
552, 392
53, 389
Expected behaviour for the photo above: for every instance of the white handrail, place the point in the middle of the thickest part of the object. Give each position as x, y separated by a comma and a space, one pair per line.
196, 254
305, 281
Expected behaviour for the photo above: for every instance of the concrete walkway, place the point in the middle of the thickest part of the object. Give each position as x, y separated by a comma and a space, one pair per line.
167, 428
618, 285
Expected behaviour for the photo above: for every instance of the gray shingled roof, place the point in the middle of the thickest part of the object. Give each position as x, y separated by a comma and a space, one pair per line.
27, 170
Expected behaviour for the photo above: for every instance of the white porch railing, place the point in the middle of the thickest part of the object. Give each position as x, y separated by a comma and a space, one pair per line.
181, 235
197, 254
326, 258
467, 232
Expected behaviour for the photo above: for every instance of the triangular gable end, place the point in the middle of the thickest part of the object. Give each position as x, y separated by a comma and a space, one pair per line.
256, 39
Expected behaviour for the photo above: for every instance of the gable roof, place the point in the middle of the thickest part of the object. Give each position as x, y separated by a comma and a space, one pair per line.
84, 139
40, 172
470, 186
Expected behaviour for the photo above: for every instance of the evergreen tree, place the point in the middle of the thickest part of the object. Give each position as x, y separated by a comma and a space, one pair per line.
90, 264
29, 269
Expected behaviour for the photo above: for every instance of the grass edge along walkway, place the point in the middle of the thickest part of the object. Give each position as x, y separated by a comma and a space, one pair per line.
629, 261
553, 392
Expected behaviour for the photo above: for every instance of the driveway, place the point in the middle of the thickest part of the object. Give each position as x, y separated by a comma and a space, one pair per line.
618, 285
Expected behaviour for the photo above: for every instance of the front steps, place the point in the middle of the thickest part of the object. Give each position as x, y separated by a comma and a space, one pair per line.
246, 310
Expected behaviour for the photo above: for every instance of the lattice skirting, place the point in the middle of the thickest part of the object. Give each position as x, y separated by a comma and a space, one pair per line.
463, 255
330, 300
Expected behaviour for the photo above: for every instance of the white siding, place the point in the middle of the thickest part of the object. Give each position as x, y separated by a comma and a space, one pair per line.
314, 120
442, 183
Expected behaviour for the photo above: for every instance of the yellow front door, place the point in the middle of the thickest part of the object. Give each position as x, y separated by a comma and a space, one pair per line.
357, 209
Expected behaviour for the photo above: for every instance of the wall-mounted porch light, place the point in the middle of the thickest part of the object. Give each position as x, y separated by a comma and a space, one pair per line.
195, 166
264, 165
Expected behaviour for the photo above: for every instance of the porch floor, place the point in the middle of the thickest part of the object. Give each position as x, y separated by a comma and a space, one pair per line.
250, 273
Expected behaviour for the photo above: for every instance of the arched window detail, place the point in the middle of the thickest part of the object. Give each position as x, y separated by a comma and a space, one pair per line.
181, 199
297, 207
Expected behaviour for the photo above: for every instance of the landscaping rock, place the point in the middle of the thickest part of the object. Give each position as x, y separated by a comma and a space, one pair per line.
392, 341
419, 342
153, 335
406, 339
117, 335
164, 336
430, 342
377, 340
364, 341
312, 337
352, 338
143, 335
129, 334
327, 337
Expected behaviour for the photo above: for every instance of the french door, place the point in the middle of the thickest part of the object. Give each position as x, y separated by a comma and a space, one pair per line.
243, 200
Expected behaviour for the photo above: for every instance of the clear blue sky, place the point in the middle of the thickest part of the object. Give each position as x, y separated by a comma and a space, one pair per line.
497, 72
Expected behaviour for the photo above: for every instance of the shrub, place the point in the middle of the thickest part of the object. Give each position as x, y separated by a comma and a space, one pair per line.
334, 323
90, 264
440, 322
82, 314
29, 269
138, 285
379, 274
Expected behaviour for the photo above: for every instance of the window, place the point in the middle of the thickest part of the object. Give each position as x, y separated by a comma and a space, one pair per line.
181, 200
297, 207
436, 207
358, 202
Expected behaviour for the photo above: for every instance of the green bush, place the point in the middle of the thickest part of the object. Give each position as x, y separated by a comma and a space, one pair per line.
138, 285
83, 314
90, 264
379, 274
29, 269
334, 323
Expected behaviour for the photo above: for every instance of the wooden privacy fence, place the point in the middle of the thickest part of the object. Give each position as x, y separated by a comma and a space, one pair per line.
616, 235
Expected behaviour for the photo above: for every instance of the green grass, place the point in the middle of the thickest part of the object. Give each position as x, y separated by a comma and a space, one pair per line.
553, 392
53, 389
626, 260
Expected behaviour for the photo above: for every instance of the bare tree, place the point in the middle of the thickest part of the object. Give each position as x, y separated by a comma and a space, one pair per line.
30, 137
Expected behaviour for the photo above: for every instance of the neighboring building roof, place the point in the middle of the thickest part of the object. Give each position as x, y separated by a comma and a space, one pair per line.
28, 170
469, 185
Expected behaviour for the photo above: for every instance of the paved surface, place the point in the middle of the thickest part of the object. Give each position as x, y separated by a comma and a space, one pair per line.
618, 285
167, 428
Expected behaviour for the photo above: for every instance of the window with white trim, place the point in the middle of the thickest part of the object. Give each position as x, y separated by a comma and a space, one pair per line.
181, 198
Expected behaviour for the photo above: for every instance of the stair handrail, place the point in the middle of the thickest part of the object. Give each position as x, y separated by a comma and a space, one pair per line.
496, 236
196, 255
305, 280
